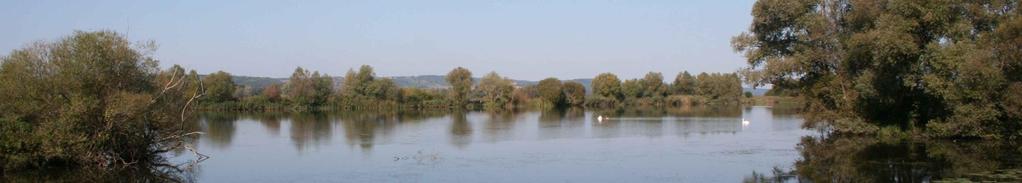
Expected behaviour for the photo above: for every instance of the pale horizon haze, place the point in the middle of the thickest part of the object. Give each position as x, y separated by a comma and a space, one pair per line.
528, 40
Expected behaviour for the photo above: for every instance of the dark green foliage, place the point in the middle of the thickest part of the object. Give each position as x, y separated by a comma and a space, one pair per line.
550, 90
939, 65
89, 100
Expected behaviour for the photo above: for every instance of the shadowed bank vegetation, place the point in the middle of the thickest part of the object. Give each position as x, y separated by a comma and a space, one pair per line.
91, 100
943, 68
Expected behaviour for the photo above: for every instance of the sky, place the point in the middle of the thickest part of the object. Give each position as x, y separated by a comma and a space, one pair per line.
527, 39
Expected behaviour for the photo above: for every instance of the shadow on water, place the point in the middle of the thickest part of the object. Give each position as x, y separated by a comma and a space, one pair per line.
863, 159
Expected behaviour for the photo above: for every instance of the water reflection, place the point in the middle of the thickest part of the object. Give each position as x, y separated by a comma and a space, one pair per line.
219, 128
310, 130
862, 159
270, 121
499, 125
697, 144
561, 123
461, 129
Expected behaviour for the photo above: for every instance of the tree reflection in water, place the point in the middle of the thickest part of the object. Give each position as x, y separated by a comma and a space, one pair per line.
867, 159
461, 129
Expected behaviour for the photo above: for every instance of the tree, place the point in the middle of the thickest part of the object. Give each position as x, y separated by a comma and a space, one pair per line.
719, 87
305, 89
861, 65
272, 92
356, 83
92, 100
323, 87
460, 80
652, 85
364, 85
607, 85
550, 90
631, 89
684, 84
219, 87
384, 89
496, 91
574, 93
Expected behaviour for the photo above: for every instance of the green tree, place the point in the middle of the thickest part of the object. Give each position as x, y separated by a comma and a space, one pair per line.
719, 87
363, 87
574, 93
684, 84
323, 85
653, 85
219, 87
91, 99
460, 80
496, 91
550, 90
631, 89
607, 85
938, 65
384, 89
356, 84
308, 89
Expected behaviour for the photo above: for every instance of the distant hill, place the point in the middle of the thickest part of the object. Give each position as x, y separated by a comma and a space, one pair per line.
257, 83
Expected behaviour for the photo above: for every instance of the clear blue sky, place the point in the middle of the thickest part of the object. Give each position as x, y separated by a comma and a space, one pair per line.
520, 39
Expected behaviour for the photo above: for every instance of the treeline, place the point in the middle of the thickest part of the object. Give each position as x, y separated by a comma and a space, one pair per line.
940, 68
651, 90
362, 89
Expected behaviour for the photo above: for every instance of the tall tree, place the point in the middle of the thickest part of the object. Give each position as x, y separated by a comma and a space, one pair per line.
653, 85
496, 91
307, 89
550, 90
631, 89
607, 85
574, 93
684, 84
938, 65
91, 99
219, 87
357, 83
460, 80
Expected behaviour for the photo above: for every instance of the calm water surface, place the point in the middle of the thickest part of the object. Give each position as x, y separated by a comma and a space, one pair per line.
688, 145
704, 144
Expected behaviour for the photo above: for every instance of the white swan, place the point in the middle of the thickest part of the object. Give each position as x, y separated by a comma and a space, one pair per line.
599, 118
745, 122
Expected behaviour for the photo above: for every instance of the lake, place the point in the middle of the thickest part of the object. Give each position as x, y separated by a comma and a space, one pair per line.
697, 144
